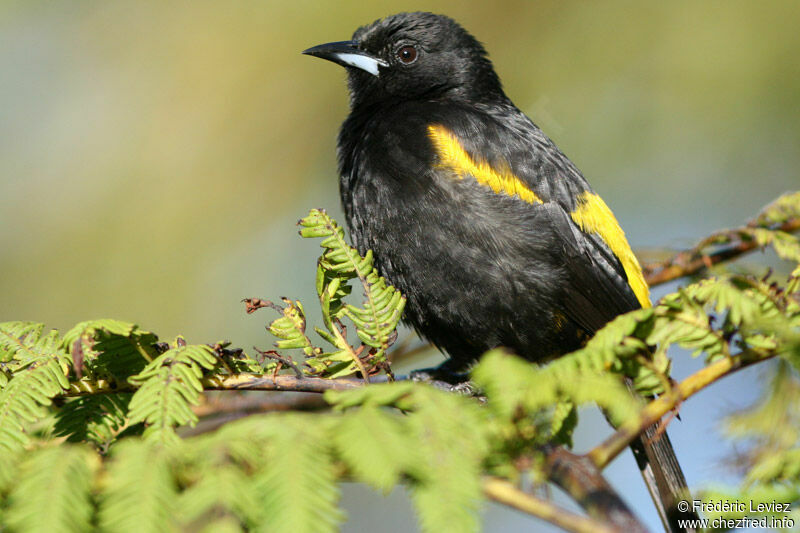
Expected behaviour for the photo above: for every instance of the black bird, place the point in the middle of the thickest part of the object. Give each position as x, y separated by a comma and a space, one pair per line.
493, 235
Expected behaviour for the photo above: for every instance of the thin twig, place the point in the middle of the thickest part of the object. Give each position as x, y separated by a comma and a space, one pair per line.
504, 492
606, 451
694, 260
282, 361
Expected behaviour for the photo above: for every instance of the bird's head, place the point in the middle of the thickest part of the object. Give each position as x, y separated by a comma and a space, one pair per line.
413, 56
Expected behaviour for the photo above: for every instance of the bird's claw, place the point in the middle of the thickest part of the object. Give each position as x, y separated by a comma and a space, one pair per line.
446, 380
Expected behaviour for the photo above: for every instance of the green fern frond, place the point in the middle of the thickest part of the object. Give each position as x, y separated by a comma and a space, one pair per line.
13, 337
765, 230
777, 467
290, 328
430, 446
375, 321
111, 349
398, 394
377, 446
619, 347
382, 311
109, 325
139, 493
514, 388
503, 377
296, 486
217, 469
760, 497
452, 441
786, 245
53, 491
220, 488
563, 422
682, 320
770, 430
236, 361
40, 371
773, 423
168, 387
751, 308
23, 345
97, 419
785, 207
746, 301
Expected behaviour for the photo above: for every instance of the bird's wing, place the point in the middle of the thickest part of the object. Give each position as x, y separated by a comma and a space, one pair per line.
605, 277
597, 289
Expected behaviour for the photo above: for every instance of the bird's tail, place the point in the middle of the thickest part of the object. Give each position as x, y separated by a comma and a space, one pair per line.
664, 479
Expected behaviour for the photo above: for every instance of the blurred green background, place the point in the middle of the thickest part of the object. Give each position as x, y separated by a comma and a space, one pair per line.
154, 156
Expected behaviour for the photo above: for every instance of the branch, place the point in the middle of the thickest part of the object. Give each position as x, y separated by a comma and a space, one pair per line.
606, 451
279, 383
504, 492
240, 404
582, 480
217, 413
695, 260
87, 387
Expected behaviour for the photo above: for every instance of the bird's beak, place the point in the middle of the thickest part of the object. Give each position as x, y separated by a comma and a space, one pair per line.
346, 53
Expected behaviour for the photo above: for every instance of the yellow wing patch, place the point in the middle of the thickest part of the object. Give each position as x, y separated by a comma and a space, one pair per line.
592, 213
594, 216
451, 155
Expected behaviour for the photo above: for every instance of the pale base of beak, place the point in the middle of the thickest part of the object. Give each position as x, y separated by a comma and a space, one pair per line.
347, 53
365, 63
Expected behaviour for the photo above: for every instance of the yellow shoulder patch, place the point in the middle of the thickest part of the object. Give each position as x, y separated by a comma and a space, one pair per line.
451, 155
592, 213
593, 216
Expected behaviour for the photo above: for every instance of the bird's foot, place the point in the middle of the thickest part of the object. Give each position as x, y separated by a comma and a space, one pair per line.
446, 380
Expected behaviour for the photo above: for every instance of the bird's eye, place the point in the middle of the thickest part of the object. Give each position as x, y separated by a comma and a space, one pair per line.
407, 54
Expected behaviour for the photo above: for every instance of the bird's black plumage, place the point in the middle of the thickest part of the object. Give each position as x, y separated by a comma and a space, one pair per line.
490, 231
480, 268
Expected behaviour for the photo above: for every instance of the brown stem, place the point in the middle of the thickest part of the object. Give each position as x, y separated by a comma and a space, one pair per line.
582, 480
241, 404
216, 414
234, 382
692, 261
